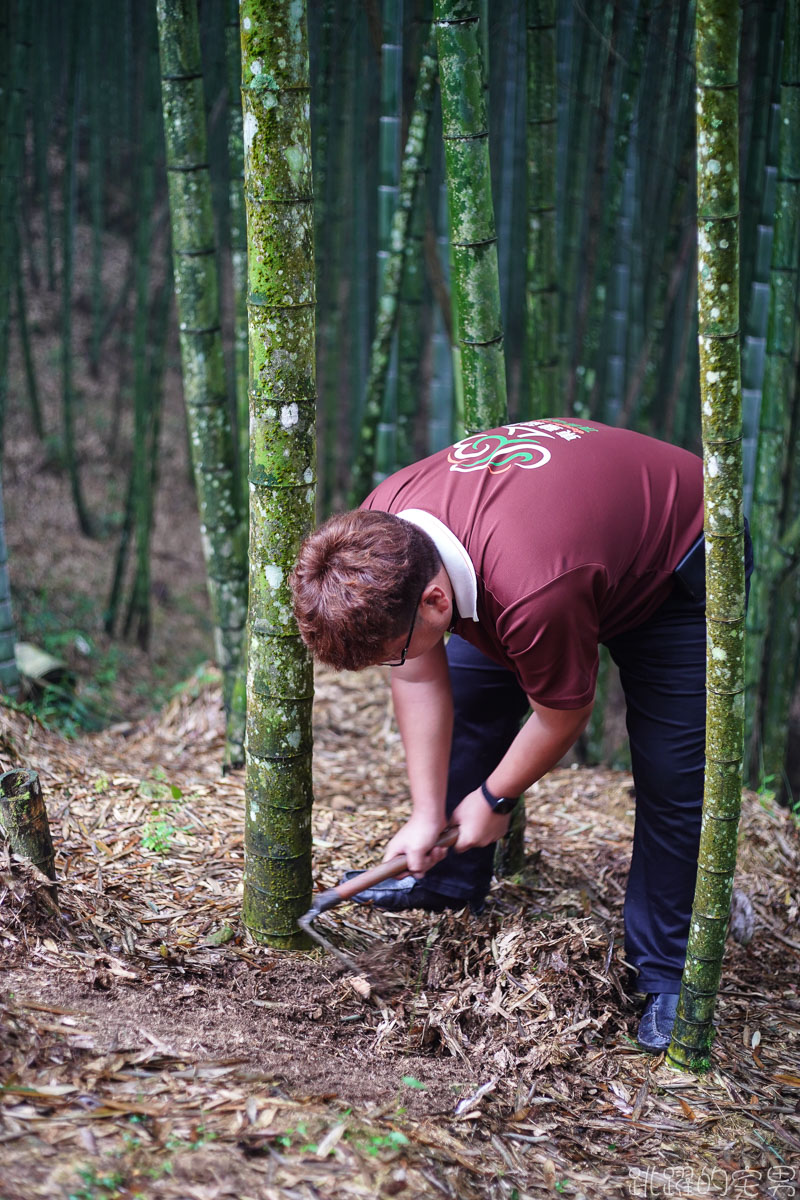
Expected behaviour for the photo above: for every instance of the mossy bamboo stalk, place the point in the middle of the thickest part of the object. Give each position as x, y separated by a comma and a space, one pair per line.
508, 58
363, 168
412, 172
12, 130
120, 561
473, 240
9, 675
390, 135
341, 287
779, 684
23, 817
31, 382
586, 360
410, 336
70, 200
603, 343
667, 196
9, 142
97, 92
281, 301
441, 425
717, 49
774, 438
765, 29
238, 240
616, 322
473, 243
585, 56
594, 738
205, 393
542, 276
42, 110
328, 132
358, 282
143, 398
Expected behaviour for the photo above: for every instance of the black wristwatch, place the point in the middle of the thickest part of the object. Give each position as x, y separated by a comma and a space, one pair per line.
502, 805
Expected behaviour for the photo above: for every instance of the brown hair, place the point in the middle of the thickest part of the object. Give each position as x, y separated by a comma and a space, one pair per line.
355, 585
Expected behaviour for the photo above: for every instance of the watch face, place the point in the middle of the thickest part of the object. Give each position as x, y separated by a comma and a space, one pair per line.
506, 805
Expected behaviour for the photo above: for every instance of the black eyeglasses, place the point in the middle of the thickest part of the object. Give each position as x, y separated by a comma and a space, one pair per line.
404, 651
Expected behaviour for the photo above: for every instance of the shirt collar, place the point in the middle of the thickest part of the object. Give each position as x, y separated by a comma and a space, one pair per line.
455, 559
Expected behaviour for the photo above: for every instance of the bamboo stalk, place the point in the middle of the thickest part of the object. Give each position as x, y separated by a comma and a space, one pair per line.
9, 675
390, 141
775, 438
205, 393
281, 303
473, 240
29, 364
238, 243
718, 301
68, 399
542, 277
394, 265
97, 162
144, 400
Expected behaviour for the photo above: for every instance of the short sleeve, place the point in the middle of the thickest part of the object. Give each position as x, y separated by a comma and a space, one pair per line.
550, 637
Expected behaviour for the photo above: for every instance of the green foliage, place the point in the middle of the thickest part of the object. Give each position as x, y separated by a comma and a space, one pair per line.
766, 791
394, 1140
158, 835
97, 1186
160, 830
201, 1137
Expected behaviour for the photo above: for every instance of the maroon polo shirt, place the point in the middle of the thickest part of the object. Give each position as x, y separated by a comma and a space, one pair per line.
573, 528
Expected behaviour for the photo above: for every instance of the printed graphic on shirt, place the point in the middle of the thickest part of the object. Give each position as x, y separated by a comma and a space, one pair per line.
519, 445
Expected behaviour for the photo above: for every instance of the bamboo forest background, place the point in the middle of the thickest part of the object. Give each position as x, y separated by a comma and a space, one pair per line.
592, 149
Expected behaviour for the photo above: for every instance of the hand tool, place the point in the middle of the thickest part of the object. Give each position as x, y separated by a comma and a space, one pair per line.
351, 887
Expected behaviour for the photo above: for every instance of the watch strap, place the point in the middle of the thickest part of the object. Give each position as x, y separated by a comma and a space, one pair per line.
498, 804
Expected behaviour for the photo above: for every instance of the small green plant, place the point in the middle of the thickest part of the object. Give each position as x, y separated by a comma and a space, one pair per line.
199, 1138
160, 830
394, 1140
766, 790
157, 787
377, 1143
97, 1186
158, 834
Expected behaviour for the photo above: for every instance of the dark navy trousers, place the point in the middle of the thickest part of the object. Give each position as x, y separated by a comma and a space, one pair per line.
662, 670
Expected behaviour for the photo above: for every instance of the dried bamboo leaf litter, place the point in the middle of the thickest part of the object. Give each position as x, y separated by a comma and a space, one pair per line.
146, 1042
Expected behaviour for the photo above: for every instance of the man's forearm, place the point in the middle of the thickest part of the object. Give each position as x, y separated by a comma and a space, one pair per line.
543, 739
541, 742
423, 705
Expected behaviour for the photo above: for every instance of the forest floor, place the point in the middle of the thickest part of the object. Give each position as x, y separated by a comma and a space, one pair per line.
150, 1048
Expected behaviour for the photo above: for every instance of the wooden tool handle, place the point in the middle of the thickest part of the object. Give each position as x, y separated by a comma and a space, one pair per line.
387, 870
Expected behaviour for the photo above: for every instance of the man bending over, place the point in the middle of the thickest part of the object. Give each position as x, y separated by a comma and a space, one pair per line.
530, 545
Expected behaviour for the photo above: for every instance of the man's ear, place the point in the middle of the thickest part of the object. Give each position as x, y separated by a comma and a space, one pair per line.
436, 597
